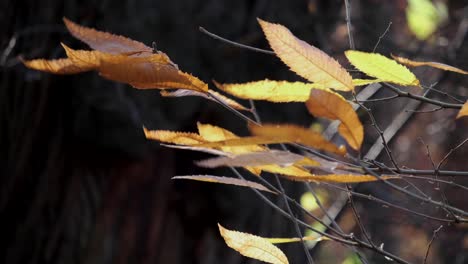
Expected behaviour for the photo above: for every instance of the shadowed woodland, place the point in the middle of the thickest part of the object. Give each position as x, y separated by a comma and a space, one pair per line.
80, 183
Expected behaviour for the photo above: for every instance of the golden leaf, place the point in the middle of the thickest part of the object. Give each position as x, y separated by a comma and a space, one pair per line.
225, 180
253, 246
60, 66
381, 67
341, 178
273, 91
104, 41
333, 106
437, 65
306, 60
181, 138
292, 133
463, 111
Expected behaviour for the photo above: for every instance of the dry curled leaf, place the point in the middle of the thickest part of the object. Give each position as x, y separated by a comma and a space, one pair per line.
463, 111
224, 180
330, 105
381, 67
273, 91
433, 64
306, 60
211, 95
253, 246
181, 138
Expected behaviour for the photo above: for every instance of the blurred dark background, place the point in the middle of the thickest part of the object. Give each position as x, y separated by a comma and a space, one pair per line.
81, 184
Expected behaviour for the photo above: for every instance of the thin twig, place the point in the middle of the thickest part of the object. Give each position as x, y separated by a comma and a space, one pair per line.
434, 234
348, 24
381, 36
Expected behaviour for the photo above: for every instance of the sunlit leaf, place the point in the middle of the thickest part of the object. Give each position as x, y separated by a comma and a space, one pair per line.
463, 111
224, 180
333, 106
306, 60
273, 91
381, 67
60, 66
174, 137
437, 65
104, 41
253, 246
360, 82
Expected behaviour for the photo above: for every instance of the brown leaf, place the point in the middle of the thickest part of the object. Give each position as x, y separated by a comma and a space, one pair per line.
433, 64
225, 180
333, 106
306, 60
104, 41
463, 111
221, 98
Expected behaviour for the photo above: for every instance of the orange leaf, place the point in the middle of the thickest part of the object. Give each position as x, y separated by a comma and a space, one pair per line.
437, 65
296, 134
104, 41
333, 106
463, 111
306, 60
60, 66
181, 138
140, 72
225, 180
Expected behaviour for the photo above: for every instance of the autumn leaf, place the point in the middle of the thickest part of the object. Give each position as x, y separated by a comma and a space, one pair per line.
253, 246
278, 157
463, 111
273, 91
437, 65
104, 41
182, 138
225, 180
278, 240
306, 60
331, 105
59, 66
341, 178
381, 67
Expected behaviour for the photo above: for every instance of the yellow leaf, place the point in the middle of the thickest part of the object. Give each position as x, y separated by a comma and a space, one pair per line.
463, 111
306, 60
381, 67
104, 41
423, 17
360, 82
340, 178
225, 180
253, 246
292, 133
273, 91
294, 170
333, 106
437, 65
181, 138
60, 66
